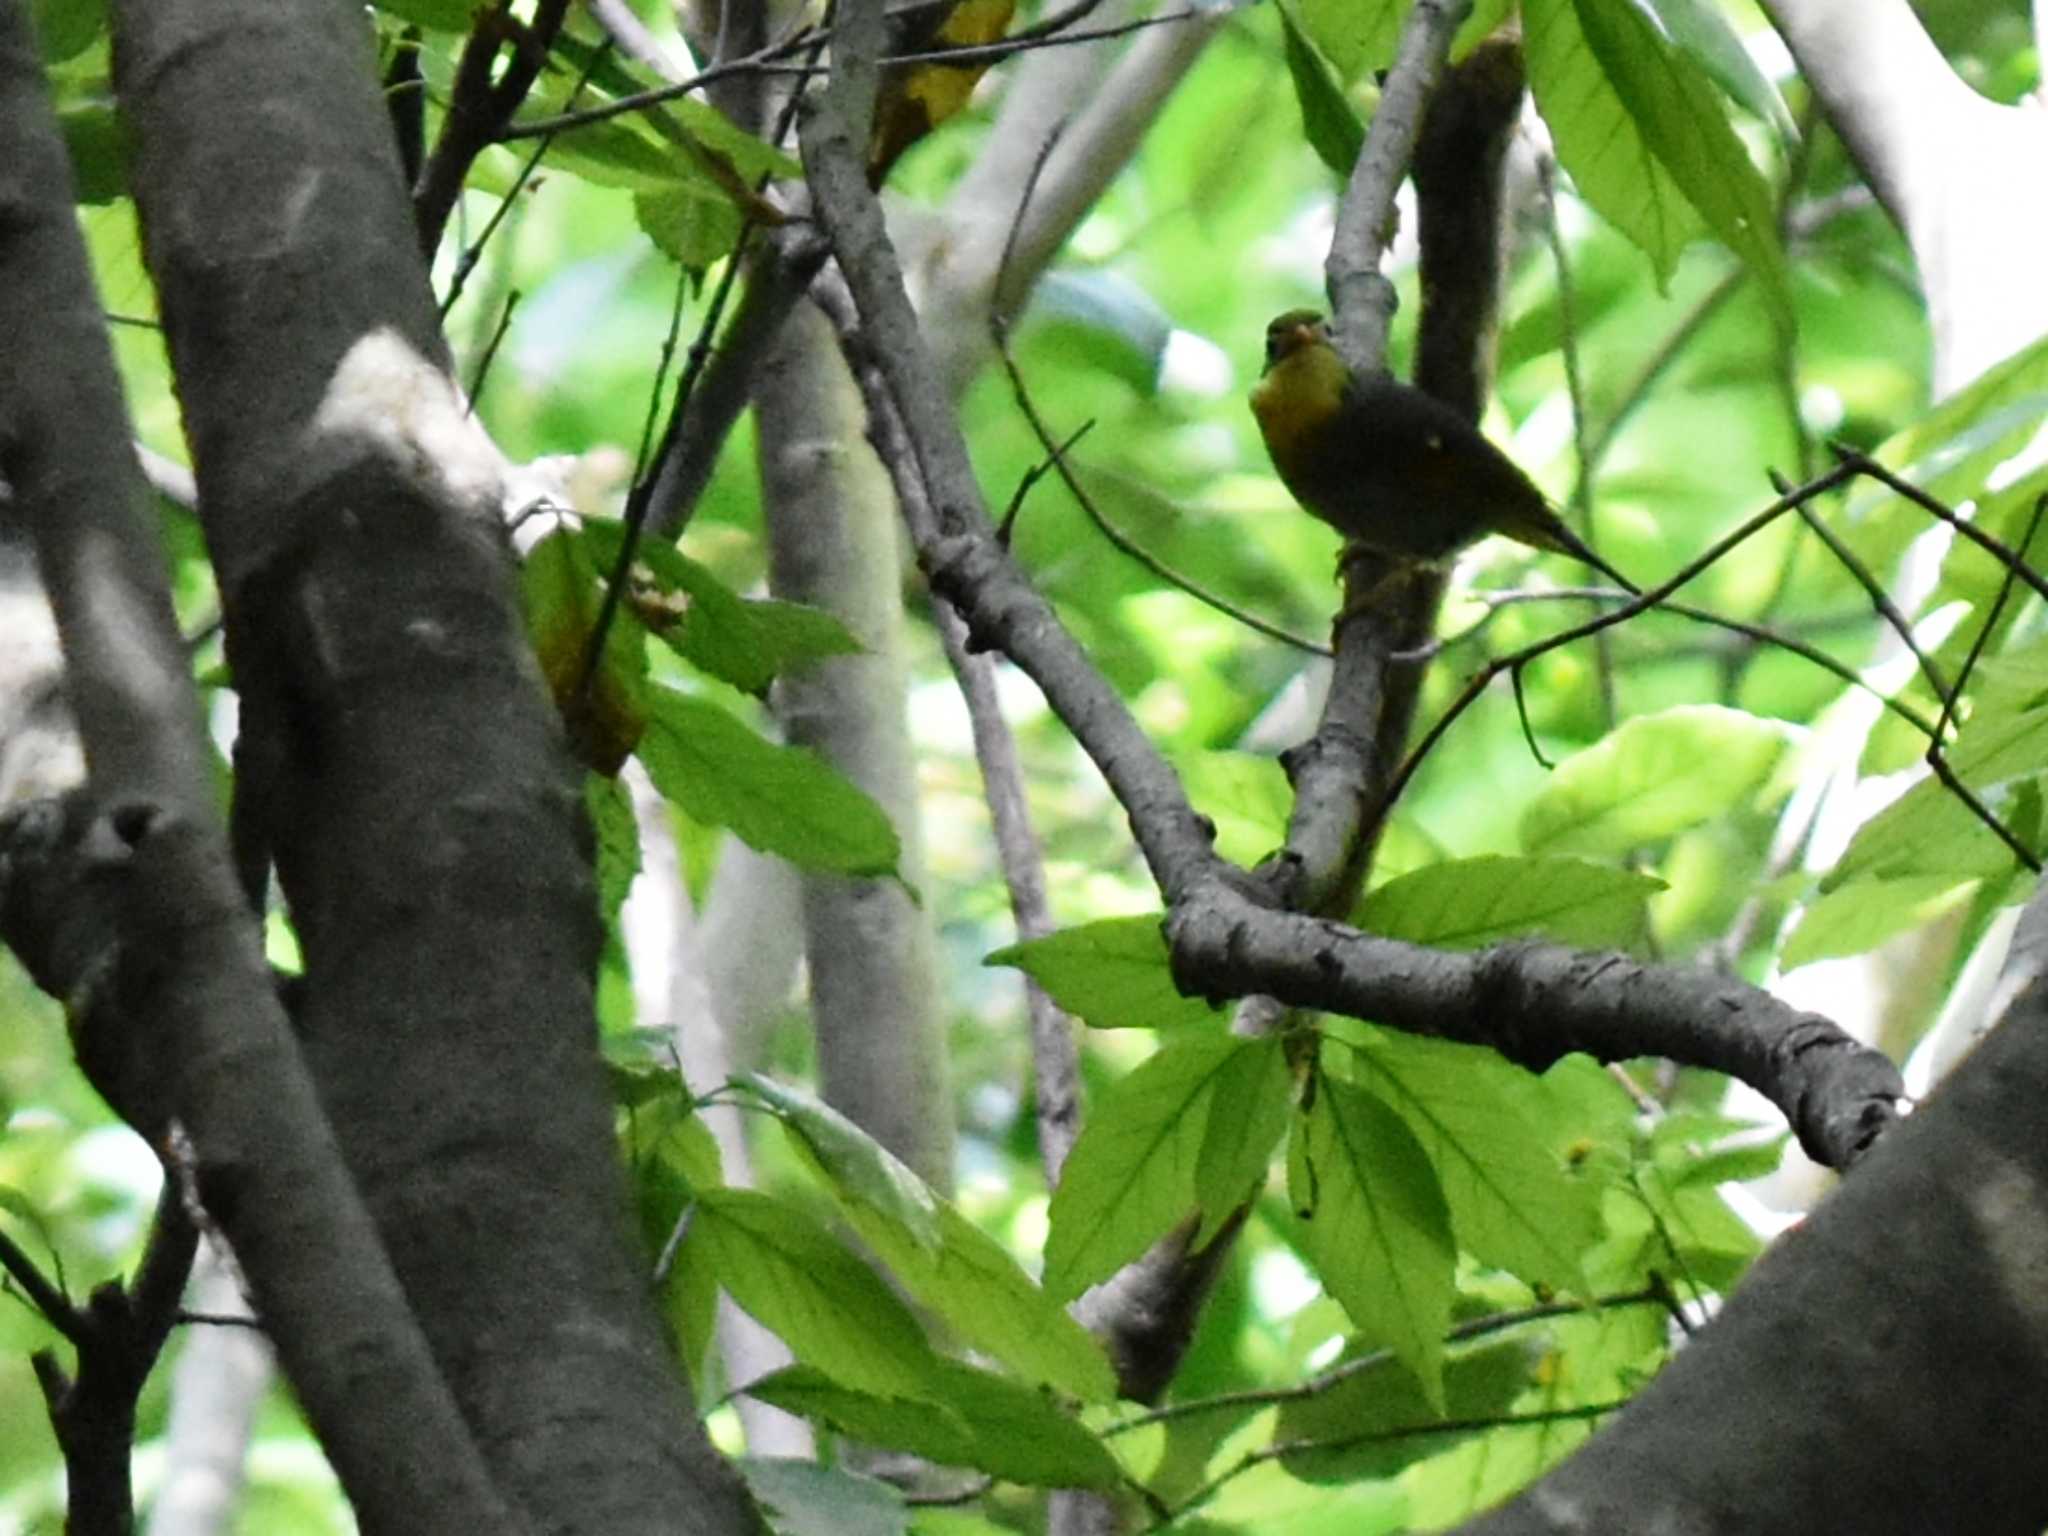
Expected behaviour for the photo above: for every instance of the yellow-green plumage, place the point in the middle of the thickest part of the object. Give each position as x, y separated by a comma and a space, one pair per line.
1388, 466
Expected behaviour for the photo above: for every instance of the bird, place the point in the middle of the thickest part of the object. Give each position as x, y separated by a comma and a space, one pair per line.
1388, 466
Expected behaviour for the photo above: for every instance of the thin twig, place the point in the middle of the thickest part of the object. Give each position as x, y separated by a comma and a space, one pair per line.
490, 352
1336, 1375
999, 334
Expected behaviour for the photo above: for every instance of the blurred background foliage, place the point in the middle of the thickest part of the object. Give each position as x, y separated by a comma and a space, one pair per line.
1150, 327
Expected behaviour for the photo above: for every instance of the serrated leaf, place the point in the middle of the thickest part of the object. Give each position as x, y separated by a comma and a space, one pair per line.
946, 1263
1862, 914
970, 1419
858, 1168
1328, 121
802, 1498
1732, 1163
1132, 1174
1713, 1245
1929, 831
1371, 1420
1598, 140
1469, 903
1682, 122
1512, 1200
1379, 1231
794, 1277
1112, 974
1652, 777
1247, 1118
782, 800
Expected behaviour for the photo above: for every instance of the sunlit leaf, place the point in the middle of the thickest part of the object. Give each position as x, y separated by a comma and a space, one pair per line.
830, 1309
1513, 1201
1685, 126
1247, 1118
1654, 776
1469, 903
1376, 1422
1862, 914
1112, 973
966, 1418
1378, 1230
782, 800
947, 1264
1131, 1176
1328, 120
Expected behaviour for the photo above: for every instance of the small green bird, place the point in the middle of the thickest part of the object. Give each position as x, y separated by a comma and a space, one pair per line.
1384, 464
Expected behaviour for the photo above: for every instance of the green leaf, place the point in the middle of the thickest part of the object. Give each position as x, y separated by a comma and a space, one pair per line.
693, 224
1929, 831
1354, 35
791, 1275
858, 1168
1132, 1174
1379, 1231
1862, 914
802, 1498
1694, 1228
673, 1158
747, 642
1469, 903
98, 152
435, 15
786, 801
66, 28
970, 1418
1513, 1201
1328, 120
1104, 319
1478, 25
1701, 29
1247, 1118
946, 1263
618, 841
1244, 794
1598, 139
563, 595
1370, 1421
1682, 121
1112, 973
1655, 776
1985, 433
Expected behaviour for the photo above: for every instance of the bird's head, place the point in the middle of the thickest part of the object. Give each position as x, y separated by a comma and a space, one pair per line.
1289, 334
1301, 390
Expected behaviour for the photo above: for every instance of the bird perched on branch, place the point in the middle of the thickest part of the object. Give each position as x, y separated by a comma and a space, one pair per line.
1388, 466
